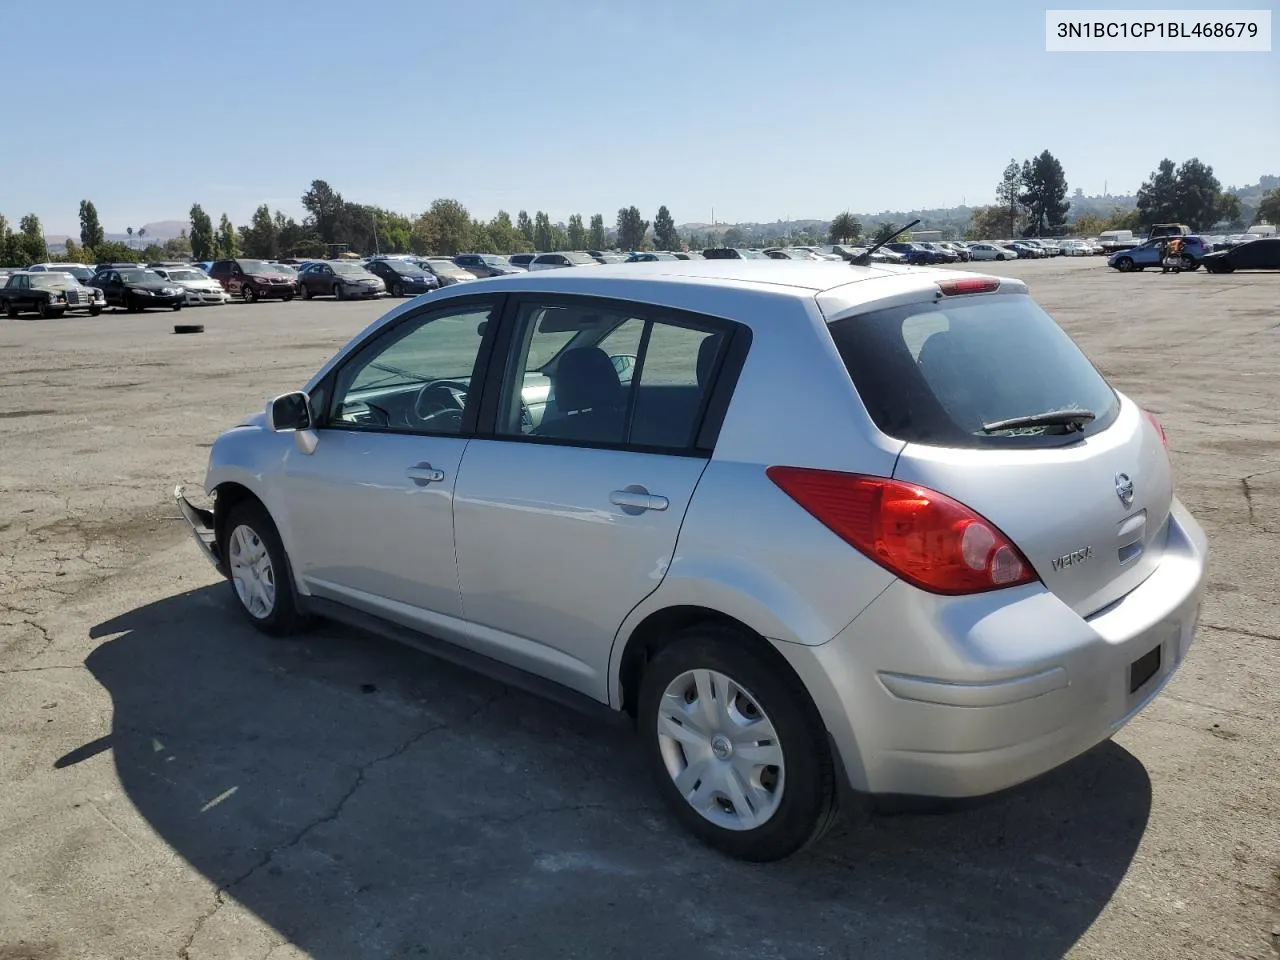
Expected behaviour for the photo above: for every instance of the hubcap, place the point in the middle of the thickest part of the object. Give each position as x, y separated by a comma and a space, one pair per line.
251, 572
721, 749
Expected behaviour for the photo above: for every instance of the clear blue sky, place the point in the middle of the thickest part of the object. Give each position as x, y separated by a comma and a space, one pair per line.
795, 108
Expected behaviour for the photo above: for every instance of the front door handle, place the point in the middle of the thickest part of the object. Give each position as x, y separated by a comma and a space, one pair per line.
423, 474
636, 499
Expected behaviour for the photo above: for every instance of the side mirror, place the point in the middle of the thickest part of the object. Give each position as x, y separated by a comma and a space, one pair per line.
289, 412
623, 363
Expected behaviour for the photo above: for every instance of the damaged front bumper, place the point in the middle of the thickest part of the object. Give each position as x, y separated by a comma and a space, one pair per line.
202, 528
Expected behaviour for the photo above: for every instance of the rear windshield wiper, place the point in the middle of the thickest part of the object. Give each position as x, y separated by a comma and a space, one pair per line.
1073, 420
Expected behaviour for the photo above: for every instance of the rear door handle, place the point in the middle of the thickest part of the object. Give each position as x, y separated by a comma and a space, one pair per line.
636, 499
423, 474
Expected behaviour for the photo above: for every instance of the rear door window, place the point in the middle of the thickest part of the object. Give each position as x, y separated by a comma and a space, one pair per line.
943, 373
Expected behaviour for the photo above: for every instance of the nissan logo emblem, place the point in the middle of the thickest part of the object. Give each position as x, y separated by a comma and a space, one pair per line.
1124, 488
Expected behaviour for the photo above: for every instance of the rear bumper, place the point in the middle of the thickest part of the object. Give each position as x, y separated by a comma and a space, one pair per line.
202, 528
965, 696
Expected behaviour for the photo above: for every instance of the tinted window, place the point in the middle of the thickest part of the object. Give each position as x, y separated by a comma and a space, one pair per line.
937, 372
618, 379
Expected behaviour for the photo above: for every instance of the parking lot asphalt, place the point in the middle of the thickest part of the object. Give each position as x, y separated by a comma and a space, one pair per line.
174, 785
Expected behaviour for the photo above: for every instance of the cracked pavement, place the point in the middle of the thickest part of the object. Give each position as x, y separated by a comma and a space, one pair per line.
174, 785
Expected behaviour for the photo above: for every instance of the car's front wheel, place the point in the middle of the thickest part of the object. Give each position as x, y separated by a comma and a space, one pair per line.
736, 746
1124, 264
339, 292
259, 569
249, 293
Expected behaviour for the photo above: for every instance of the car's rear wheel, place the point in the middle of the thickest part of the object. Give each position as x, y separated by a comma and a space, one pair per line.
249, 293
1124, 264
259, 569
736, 746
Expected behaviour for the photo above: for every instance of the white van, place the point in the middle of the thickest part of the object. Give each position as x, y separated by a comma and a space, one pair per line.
1262, 230
1112, 240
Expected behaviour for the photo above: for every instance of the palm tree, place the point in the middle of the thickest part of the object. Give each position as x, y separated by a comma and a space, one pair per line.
129, 231
142, 232
845, 228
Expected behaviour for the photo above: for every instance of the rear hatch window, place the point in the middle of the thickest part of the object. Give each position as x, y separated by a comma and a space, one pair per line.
949, 372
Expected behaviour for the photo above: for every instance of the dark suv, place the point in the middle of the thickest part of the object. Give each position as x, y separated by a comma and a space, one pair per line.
253, 280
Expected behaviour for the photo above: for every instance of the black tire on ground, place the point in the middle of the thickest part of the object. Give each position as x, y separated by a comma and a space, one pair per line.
283, 617
1187, 262
95, 311
188, 328
397, 290
249, 293
808, 806
10, 309
337, 292
287, 297
306, 292
999, 256
46, 311
1124, 264
177, 307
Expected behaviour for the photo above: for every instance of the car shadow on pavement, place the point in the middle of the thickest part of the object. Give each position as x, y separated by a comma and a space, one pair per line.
367, 800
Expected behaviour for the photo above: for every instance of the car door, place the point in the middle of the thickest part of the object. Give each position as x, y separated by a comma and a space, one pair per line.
566, 516
113, 288
369, 512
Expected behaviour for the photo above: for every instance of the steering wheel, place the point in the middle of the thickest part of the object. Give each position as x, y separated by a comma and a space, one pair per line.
440, 400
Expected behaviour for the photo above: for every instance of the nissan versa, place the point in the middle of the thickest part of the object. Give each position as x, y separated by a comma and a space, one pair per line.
803, 522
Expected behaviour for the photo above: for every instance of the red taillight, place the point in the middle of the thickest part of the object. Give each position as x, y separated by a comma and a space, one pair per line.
955, 288
918, 534
1151, 419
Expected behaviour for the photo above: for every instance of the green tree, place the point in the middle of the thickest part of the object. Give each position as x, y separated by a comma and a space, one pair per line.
887, 230
735, 236
71, 252
577, 233
559, 238
259, 238
1090, 224
1268, 208
177, 248
845, 228
129, 231
324, 206
1158, 195
152, 251
203, 241
91, 233
595, 236
542, 239
30, 240
113, 251
665, 235
1044, 194
631, 228
1197, 195
1008, 192
504, 237
1229, 211
227, 240
444, 229
295, 240
8, 253
525, 226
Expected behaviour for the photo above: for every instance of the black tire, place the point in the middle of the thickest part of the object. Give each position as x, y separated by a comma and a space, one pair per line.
249, 293
1124, 264
283, 618
808, 806
177, 307
306, 292
48, 312
95, 311
10, 309
337, 292
287, 297
188, 328
1187, 262
1000, 256
397, 290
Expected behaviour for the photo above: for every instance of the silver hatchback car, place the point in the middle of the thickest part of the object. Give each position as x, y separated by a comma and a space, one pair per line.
808, 524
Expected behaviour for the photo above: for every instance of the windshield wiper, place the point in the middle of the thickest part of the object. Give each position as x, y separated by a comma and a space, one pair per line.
1073, 420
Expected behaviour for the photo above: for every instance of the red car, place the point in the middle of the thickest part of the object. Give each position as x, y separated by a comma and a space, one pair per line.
253, 280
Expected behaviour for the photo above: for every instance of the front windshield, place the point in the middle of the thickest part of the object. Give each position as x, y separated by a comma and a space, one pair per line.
447, 267
579, 259
256, 266
494, 261
80, 273
187, 275
348, 269
403, 267
141, 276
48, 280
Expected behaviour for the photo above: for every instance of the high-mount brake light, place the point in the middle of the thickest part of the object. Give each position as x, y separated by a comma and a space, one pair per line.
918, 534
963, 285
1155, 422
